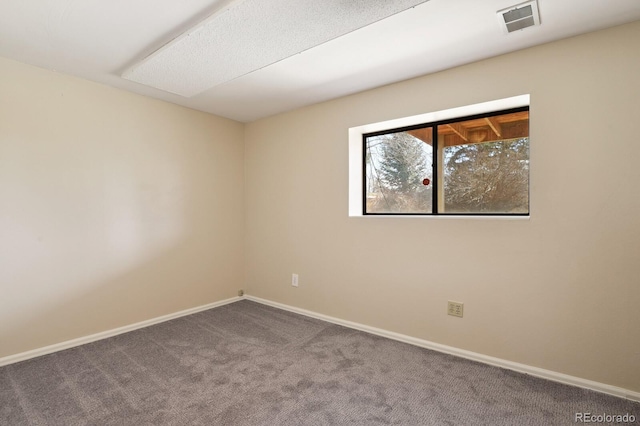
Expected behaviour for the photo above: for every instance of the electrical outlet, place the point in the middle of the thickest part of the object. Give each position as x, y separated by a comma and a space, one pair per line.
455, 308
294, 280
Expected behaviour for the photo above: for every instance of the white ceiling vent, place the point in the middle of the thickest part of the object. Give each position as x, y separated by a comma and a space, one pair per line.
518, 17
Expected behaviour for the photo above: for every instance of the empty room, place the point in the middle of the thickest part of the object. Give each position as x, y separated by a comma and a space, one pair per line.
279, 212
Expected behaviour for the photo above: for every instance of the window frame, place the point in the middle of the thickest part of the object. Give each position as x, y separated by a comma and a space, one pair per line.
357, 147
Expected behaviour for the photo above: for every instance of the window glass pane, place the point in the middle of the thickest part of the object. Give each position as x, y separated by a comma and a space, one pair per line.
398, 172
485, 165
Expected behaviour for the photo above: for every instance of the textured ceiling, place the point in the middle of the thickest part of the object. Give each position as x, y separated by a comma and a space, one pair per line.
252, 34
99, 40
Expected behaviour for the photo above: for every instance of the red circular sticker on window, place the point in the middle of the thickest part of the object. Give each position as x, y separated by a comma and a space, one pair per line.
426, 182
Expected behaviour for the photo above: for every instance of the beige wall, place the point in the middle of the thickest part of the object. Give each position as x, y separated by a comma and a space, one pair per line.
559, 291
114, 208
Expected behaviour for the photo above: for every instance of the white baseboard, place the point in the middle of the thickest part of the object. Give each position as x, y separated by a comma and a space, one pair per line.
474, 356
11, 359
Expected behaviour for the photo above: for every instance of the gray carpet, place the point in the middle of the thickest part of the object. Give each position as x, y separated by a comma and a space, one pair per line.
250, 364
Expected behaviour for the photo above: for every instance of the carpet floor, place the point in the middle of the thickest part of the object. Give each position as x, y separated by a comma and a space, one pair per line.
250, 364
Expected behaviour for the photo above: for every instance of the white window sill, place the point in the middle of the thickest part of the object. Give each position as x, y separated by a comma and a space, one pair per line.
441, 216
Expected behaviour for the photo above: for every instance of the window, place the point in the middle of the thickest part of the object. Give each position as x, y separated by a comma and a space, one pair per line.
476, 164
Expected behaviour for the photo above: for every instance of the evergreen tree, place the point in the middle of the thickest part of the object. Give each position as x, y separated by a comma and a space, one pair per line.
403, 165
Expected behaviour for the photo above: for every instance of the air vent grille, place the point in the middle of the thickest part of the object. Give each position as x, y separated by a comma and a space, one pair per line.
518, 17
